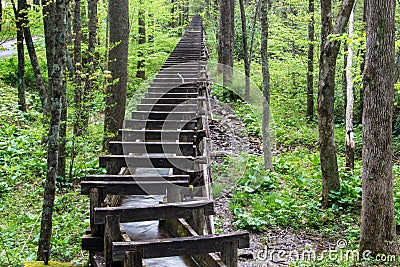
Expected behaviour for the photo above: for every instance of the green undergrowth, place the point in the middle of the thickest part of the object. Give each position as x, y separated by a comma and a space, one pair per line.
22, 173
290, 195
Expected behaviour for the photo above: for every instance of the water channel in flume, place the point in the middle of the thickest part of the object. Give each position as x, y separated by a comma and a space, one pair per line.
151, 230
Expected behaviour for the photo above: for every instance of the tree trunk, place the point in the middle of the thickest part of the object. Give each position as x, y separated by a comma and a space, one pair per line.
378, 225
350, 144
326, 94
1, 15
253, 30
90, 62
76, 26
34, 59
362, 65
310, 60
54, 14
266, 132
62, 154
115, 97
344, 78
21, 55
172, 23
142, 40
245, 51
226, 40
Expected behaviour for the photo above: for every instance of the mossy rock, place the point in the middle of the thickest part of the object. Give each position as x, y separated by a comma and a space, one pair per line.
51, 264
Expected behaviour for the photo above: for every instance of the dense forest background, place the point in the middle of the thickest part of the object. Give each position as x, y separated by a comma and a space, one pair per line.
289, 196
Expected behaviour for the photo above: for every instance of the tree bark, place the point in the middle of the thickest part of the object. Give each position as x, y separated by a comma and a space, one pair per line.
225, 56
54, 14
266, 131
34, 59
21, 55
142, 40
310, 61
253, 30
378, 225
350, 144
115, 97
91, 63
1, 15
76, 26
245, 51
326, 93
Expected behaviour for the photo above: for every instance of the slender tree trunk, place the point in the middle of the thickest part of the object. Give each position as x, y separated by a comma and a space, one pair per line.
21, 55
1, 15
173, 14
54, 14
245, 50
62, 154
142, 40
226, 39
76, 25
266, 132
350, 144
344, 78
34, 59
326, 94
310, 61
90, 62
362, 66
115, 97
253, 30
378, 225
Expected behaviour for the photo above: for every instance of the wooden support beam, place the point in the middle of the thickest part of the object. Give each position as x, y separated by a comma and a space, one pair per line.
138, 178
180, 246
164, 115
159, 135
167, 107
160, 124
125, 148
172, 100
133, 258
185, 163
111, 234
159, 95
154, 212
130, 187
96, 198
92, 243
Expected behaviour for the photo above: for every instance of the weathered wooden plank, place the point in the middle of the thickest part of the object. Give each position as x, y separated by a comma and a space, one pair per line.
92, 243
159, 95
155, 212
172, 101
164, 115
180, 246
180, 228
167, 107
160, 124
150, 161
119, 178
111, 234
130, 187
133, 259
125, 148
157, 135
96, 198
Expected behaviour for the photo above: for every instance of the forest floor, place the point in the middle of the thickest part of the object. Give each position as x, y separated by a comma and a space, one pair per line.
275, 246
